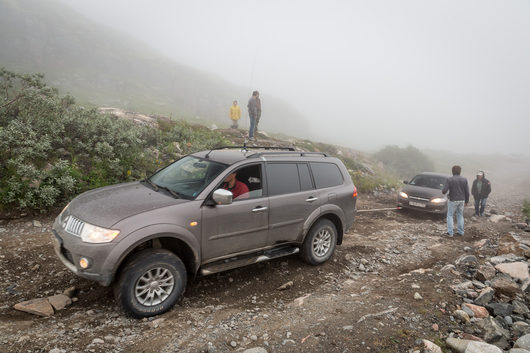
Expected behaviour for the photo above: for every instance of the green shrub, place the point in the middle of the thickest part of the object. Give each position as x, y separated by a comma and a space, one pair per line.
526, 208
52, 149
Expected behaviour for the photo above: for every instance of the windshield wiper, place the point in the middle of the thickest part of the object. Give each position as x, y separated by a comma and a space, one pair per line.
148, 180
172, 192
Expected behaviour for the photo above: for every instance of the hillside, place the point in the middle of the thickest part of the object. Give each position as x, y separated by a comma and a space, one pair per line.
102, 67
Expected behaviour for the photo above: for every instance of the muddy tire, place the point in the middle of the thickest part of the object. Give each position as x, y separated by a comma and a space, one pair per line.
319, 243
150, 283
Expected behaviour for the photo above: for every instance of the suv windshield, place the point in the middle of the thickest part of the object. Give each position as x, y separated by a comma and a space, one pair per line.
187, 177
429, 181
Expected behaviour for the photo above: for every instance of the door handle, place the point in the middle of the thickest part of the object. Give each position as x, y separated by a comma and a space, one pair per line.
260, 209
311, 199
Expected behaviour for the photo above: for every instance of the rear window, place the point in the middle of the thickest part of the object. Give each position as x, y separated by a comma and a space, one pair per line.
326, 175
282, 178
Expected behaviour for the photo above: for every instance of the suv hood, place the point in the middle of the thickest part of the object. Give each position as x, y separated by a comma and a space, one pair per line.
421, 191
106, 206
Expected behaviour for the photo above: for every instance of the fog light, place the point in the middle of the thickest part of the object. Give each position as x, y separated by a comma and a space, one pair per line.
83, 262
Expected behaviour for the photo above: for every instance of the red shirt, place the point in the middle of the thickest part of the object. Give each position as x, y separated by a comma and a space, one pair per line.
239, 189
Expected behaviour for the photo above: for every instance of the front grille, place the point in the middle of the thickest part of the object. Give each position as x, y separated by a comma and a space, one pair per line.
73, 225
419, 198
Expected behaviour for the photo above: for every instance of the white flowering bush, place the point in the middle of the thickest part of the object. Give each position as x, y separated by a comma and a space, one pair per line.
51, 149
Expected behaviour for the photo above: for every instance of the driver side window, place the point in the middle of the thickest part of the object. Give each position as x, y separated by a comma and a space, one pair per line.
248, 183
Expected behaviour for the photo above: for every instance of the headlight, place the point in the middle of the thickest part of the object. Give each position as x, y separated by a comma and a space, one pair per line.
403, 195
438, 200
95, 234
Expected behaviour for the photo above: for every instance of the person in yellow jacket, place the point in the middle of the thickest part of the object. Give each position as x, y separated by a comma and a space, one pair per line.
235, 114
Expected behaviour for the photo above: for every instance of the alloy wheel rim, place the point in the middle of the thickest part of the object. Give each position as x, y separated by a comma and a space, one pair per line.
322, 242
154, 286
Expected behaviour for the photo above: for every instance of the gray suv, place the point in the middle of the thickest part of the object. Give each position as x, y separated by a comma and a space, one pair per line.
207, 212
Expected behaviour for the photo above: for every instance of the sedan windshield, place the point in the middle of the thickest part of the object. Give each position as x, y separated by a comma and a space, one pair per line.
187, 177
429, 181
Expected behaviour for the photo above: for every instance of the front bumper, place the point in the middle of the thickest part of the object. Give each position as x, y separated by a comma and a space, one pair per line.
428, 206
70, 248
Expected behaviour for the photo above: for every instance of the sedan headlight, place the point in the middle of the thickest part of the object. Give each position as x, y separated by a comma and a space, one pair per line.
403, 195
95, 234
438, 200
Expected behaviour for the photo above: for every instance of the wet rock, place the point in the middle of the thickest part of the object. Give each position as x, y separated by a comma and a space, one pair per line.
492, 330
70, 292
467, 260
457, 345
503, 284
481, 347
286, 286
517, 270
500, 309
485, 296
523, 342
255, 350
518, 350
461, 316
520, 307
41, 307
485, 272
430, 347
505, 258
300, 300
59, 301
497, 218
478, 311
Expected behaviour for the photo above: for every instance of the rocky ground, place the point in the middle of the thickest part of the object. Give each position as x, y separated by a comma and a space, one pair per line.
396, 280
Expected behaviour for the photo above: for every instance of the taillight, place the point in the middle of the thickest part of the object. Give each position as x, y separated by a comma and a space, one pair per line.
354, 191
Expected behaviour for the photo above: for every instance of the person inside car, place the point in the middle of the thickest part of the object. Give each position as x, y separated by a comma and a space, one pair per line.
238, 188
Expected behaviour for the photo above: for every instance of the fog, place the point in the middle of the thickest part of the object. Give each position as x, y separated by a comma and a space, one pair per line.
450, 75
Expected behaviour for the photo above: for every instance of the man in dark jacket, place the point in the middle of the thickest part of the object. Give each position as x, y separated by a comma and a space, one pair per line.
458, 198
480, 190
254, 106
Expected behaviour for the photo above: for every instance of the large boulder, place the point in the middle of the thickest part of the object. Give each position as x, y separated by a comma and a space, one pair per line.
429, 347
485, 296
481, 347
40, 307
492, 330
517, 270
479, 312
485, 272
503, 284
523, 342
500, 309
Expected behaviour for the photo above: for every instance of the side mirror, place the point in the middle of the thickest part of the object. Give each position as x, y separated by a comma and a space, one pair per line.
405, 182
222, 197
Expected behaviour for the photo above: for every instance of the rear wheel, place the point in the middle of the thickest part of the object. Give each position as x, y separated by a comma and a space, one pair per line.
319, 243
151, 283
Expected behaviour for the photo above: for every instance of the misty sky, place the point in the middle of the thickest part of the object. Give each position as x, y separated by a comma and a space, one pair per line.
451, 75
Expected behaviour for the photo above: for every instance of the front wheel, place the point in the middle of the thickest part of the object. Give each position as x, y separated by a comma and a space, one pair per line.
319, 243
151, 283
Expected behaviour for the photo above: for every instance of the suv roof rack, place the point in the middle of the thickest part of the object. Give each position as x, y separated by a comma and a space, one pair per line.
246, 148
290, 153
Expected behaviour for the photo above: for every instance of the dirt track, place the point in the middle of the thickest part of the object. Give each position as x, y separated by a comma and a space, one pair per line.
346, 308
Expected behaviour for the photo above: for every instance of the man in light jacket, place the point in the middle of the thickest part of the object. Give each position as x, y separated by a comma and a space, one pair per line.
458, 198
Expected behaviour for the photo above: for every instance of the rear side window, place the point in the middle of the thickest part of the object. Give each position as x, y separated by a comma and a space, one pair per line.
282, 178
326, 175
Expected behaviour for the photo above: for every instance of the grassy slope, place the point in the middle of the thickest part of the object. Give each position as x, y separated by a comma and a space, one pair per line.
106, 68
